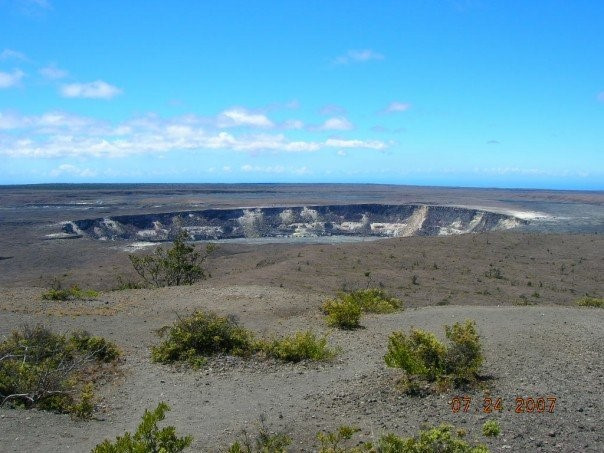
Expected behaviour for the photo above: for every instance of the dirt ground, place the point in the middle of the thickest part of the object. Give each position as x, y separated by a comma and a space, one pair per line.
519, 288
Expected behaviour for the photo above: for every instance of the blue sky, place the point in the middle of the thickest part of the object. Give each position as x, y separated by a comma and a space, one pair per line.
460, 92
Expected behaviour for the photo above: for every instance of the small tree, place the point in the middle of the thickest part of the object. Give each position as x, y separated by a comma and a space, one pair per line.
180, 265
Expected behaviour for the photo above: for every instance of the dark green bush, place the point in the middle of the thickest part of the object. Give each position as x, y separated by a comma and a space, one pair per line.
39, 368
179, 265
201, 335
300, 346
421, 355
148, 438
464, 355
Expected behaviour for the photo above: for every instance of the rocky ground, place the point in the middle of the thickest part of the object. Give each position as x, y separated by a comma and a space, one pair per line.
536, 343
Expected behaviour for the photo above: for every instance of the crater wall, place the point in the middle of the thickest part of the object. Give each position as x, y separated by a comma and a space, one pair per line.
301, 221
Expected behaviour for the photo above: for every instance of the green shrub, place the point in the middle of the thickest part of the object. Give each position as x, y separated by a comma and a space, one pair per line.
85, 407
342, 313
439, 439
464, 356
421, 355
101, 349
201, 335
491, 428
179, 265
300, 346
373, 300
590, 302
72, 293
148, 437
39, 368
345, 310
332, 442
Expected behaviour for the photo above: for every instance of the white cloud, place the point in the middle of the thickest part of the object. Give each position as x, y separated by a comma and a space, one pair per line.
52, 72
600, 96
397, 107
242, 117
92, 90
342, 153
336, 124
9, 54
358, 56
58, 134
370, 144
72, 170
11, 79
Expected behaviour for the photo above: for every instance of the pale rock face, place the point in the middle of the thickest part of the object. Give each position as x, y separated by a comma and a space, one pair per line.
310, 215
337, 220
252, 222
287, 217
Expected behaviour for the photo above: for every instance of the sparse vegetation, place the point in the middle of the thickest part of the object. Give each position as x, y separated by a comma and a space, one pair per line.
345, 310
424, 358
74, 292
263, 442
204, 334
125, 283
300, 346
587, 301
179, 265
343, 313
148, 437
441, 439
39, 368
491, 428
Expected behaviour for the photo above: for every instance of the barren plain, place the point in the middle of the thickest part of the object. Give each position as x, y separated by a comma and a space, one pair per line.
519, 285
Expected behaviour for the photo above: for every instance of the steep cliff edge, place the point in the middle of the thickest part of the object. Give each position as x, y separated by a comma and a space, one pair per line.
302, 221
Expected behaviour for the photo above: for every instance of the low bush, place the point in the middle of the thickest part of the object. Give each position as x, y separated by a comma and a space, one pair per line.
373, 300
424, 358
72, 293
101, 349
587, 301
342, 313
346, 309
300, 346
203, 334
441, 439
39, 368
148, 437
491, 428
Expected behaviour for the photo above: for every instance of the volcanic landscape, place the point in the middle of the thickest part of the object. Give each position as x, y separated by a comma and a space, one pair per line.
515, 261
